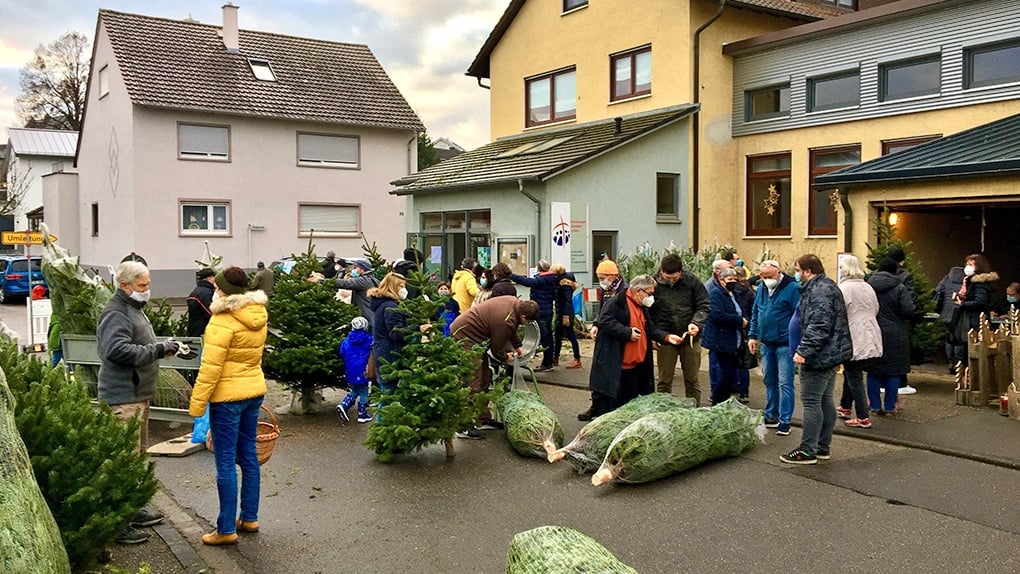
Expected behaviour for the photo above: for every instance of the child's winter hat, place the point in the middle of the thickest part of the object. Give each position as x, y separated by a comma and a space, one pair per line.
359, 324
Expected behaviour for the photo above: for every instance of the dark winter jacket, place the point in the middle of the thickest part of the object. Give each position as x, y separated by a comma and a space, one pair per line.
565, 295
502, 287
355, 349
614, 333
945, 306
389, 330
895, 309
771, 312
681, 304
979, 296
824, 329
359, 287
543, 290
329, 268
199, 301
725, 323
128, 352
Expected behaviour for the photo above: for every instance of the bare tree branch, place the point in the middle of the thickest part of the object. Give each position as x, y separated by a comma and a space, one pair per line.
53, 84
12, 195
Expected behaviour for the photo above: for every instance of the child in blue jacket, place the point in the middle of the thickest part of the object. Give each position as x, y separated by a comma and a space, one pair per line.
355, 351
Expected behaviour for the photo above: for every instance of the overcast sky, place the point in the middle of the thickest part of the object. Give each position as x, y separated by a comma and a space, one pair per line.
424, 45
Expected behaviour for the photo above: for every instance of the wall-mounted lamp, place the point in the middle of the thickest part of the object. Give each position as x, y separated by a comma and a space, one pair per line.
894, 218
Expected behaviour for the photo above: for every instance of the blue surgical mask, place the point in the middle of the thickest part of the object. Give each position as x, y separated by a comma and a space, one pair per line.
483, 282
1011, 298
796, 276
355, 272
739, 263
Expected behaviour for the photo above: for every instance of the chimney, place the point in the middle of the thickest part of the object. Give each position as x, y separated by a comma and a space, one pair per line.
230, 36
619, 126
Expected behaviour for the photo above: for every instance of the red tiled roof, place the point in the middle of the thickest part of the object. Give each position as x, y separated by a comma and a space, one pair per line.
183, 65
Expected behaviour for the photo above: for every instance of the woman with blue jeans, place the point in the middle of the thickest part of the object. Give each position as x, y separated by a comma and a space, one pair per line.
895, 308
230, 382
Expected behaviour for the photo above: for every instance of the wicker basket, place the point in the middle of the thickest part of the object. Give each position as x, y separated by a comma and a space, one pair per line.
265, 437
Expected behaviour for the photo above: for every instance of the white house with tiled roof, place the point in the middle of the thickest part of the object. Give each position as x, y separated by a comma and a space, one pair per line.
34, 153
249, 141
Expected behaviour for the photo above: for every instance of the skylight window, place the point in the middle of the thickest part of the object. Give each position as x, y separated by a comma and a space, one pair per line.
534, 147
262, 70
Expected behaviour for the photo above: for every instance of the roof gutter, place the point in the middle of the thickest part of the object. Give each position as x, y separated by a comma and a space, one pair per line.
696, 131
538, 217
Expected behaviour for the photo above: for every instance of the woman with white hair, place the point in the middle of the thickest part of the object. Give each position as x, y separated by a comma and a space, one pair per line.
722, 335
861, 312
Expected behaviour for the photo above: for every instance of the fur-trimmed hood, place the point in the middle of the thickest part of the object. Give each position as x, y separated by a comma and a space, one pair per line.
984, 277
249, 308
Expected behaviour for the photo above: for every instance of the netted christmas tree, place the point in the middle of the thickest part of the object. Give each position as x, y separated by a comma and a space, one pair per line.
431, 400
924, 336
306, 323
84, 458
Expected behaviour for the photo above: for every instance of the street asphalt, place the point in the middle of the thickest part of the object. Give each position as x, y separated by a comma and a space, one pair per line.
929, 488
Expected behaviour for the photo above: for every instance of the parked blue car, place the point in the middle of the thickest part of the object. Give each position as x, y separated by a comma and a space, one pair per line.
15, 282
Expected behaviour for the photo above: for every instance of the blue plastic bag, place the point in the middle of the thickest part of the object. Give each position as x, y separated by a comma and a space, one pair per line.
201, 429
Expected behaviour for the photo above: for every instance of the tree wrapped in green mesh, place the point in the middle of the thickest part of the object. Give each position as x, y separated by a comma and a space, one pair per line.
665, 443
431, 400
588, 448
29, 539
529, 423
304, 318
84, 458
560, 550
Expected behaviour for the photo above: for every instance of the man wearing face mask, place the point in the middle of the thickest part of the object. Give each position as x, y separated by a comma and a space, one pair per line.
610, 283
129, 365
359, 281
681, 306
723, 331
622, 366
774, 304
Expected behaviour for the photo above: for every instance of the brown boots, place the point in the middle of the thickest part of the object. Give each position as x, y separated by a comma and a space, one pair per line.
575, 364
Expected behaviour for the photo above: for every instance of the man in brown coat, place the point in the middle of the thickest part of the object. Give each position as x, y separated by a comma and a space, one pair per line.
494, 321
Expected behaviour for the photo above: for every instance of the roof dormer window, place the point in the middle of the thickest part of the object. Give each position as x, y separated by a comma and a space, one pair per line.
261, 69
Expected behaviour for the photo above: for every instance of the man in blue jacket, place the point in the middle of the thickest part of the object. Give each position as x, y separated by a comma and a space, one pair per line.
824, 344
774, 305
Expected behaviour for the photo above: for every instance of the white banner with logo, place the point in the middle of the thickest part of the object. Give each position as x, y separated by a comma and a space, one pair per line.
561, 236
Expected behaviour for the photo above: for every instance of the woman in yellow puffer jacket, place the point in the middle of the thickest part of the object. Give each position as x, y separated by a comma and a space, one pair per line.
231, 382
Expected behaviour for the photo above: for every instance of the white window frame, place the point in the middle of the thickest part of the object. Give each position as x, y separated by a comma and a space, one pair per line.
199, 154
323, 160
103, 79
184, 228
314, 218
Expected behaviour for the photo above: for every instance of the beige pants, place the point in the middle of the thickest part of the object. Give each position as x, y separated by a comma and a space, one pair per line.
690, 364
128, 411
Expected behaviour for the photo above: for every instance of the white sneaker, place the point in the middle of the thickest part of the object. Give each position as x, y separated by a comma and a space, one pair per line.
907, 390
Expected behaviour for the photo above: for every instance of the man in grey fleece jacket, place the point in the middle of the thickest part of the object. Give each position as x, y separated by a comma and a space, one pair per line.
129, 364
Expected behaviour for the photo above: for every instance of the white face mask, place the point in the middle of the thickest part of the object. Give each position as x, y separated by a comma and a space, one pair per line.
648, 301
216, 295
402, 292
606, 284
770, 283
444, 292
141, 296
968, 270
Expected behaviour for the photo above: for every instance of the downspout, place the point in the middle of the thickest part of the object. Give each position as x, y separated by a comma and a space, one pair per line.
412, 152
481, 85
848, 217
696, 131
538, 218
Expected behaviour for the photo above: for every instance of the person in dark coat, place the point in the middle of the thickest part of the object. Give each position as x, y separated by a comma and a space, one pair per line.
565, 316
501, 284
974, 296
823, 342
543, 291
744, 294
199, 301
895, 309
389, 324
610, 283
360, 281
622, 363
329, 266
411, 263
681, 306
946, 307
722, 335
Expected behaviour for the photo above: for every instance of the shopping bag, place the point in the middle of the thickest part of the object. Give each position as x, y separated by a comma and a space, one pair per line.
201, 428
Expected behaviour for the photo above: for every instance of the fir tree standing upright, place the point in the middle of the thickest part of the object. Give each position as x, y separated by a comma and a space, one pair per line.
304, 318
925, 335
431, 400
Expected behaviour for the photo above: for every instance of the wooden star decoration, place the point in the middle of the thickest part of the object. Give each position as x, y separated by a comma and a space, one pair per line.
772, 200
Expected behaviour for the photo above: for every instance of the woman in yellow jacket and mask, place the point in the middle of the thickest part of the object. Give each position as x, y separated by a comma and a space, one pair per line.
231, 383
